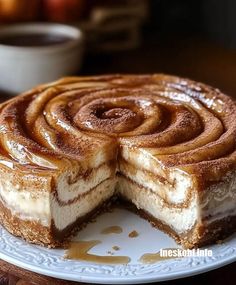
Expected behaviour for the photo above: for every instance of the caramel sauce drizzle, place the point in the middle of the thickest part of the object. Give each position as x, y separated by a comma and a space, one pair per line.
115, 247
112, 230
108, 111
78, 250
151, 258
133, 234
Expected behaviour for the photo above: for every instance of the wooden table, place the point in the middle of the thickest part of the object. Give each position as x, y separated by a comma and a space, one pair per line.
191, 57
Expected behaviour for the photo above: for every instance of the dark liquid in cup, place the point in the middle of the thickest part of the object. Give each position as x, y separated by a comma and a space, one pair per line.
34, 40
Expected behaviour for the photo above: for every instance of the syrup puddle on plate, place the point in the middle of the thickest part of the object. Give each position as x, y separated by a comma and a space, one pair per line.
106, 243
112, 230
151, 258
115, 247
133, 234
78, 250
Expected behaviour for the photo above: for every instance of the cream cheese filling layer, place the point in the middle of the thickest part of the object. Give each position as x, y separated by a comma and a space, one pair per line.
181, 220
142, 159
225, 209
25, 204
66, 215
68, 191
169, 192
28, 204
219, 200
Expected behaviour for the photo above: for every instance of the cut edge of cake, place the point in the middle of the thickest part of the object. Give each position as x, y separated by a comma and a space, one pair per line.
170, 199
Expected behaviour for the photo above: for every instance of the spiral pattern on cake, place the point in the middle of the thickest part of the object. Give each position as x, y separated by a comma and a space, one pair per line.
180, 122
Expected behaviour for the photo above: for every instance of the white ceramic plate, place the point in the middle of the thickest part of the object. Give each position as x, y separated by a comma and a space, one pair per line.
50, 262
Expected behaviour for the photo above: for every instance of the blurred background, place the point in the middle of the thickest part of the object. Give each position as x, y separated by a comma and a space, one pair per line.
195, 39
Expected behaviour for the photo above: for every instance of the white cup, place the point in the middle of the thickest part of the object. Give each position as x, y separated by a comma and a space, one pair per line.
23, 67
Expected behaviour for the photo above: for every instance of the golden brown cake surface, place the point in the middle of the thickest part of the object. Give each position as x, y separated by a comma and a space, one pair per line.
165, 143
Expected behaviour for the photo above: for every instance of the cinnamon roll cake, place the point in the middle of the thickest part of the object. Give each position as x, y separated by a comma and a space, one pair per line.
163, 143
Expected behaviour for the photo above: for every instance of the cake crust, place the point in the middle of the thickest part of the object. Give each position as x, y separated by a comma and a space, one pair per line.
35, 233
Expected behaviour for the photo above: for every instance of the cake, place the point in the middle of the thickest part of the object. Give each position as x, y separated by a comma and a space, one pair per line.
162, 143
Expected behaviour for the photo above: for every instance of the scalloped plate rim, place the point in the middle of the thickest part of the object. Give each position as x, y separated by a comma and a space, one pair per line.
120, 280
111, 279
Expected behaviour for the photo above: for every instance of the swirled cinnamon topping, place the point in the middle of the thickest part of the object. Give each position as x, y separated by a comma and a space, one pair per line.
178, 121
